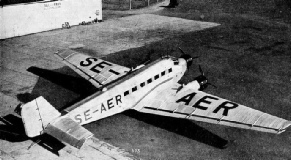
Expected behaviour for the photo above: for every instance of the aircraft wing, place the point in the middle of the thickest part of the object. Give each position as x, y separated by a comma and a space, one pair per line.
197, 105
95, 70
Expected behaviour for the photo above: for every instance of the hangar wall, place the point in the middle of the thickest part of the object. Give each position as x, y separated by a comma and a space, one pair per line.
27, 18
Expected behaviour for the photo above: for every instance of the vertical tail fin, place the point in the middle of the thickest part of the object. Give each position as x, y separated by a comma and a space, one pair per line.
36, 115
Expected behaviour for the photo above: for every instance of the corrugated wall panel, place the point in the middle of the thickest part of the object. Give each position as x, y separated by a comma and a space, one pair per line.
22, 19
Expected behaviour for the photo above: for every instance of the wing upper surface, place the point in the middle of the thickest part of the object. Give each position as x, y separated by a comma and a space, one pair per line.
95, 70
200, 106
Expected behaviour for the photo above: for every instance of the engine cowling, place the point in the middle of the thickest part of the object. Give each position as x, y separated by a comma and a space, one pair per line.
188, 59
202, 81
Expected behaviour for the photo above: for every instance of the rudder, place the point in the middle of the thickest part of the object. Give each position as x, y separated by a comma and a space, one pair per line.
36, 115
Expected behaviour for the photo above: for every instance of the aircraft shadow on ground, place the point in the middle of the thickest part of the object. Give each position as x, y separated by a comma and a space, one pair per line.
12, 130
182, 127
60, 87
76, 84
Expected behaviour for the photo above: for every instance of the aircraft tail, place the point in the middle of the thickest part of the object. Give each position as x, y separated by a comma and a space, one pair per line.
36, 115
39, 117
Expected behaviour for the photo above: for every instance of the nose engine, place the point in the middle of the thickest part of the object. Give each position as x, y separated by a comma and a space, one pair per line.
187, 57
202, 79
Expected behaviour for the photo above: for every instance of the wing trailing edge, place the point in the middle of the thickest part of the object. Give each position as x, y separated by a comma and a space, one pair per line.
281, 124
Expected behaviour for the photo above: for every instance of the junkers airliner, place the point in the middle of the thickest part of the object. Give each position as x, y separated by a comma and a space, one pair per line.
149, 88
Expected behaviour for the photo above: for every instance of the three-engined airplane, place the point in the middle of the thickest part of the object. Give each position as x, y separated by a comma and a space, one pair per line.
149, 88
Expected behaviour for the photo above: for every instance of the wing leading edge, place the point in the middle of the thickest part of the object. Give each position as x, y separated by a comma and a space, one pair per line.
200, 106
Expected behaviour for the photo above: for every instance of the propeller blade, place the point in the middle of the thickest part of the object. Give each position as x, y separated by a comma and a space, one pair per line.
204, 77
211, 85
201, 71
183, 53
181, 50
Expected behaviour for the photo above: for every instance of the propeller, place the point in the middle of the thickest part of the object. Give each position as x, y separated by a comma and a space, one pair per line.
203, 81
187, 57
181, 51
201, 71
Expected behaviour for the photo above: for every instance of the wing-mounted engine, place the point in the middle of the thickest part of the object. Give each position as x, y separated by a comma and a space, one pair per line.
193, 85
202, 80
200, 83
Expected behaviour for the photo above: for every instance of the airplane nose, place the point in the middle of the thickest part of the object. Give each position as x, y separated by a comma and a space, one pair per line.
188, 59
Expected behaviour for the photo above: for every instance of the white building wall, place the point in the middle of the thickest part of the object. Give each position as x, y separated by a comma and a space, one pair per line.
22, 19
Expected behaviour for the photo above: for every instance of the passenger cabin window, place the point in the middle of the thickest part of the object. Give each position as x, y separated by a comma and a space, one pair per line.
170, 70
156, 76
142, 84
134, 88
149, 81
176, 62
126, 93
163, 73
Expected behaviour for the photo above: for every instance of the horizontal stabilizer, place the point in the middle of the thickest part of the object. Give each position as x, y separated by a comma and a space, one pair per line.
69, 131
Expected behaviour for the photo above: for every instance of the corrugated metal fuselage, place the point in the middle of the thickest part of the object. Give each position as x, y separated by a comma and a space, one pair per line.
128, 91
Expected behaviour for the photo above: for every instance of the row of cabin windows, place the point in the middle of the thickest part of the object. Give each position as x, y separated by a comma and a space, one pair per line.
148, 81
